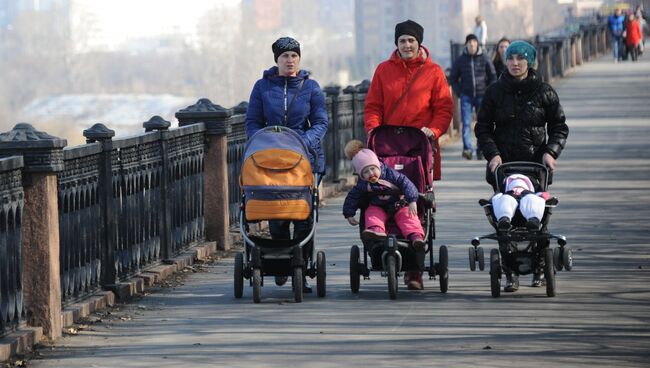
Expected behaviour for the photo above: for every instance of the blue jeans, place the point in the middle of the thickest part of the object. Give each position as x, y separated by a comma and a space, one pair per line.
616, 47
467, 103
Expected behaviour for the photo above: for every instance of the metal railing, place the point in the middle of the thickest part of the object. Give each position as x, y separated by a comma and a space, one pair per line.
11, 213
155, 200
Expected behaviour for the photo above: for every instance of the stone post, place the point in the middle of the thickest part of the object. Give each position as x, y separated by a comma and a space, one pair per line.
215, 201
43, 157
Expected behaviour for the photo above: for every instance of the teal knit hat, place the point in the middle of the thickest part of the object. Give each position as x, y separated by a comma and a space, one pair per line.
522, 48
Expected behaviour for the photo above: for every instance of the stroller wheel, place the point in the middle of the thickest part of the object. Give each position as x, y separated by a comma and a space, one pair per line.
495, 273
391, 266
239, 275
297, 284
257, 285
567, 258
355, 276
472, 259
443, 268
320, 274
481, 258
549, 272
557, 258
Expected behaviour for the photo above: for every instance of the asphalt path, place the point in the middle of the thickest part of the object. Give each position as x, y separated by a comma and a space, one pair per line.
600, 316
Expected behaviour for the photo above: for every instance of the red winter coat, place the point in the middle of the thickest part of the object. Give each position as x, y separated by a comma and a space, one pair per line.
634, 35
428, 102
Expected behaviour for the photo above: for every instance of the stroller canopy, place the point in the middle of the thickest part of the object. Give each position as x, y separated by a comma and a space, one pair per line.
276, 176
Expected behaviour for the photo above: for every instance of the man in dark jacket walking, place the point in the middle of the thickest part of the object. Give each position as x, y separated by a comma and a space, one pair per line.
470, 75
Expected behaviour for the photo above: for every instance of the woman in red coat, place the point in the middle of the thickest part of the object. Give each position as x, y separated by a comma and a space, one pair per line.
427, 103
409, 89
633, 36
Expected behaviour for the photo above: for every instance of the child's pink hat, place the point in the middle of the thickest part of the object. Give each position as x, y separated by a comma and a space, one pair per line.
363, 159
519, 180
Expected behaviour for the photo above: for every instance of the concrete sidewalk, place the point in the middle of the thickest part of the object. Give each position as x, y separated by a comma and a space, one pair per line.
599, 318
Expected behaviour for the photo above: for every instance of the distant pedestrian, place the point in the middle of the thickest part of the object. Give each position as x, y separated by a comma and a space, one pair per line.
633, 36
615, 24
499, 60
480, 31
470, 75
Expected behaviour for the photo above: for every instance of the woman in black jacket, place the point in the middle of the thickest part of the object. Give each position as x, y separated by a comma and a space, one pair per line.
520, 119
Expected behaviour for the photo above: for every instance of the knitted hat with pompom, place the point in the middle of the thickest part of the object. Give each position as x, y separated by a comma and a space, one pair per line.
361, 157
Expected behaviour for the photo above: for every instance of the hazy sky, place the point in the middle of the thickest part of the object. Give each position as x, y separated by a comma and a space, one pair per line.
120, 20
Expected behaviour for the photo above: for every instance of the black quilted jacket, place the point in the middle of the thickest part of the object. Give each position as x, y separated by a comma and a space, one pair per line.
516, 117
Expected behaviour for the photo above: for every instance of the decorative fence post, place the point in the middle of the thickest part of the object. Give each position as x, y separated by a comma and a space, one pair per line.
215, 203
100, 133
43, 158
165, 220
334, 145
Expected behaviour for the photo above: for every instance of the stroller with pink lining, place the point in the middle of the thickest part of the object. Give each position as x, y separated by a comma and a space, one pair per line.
408, 151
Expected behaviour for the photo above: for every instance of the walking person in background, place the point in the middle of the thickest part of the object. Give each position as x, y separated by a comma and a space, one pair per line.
640, 17
615, 23
287, 96
480, 31
633, 36
520, 119
409, 89
499, 60
470, 75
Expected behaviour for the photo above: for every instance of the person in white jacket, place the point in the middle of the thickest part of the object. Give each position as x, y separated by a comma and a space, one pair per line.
480, 31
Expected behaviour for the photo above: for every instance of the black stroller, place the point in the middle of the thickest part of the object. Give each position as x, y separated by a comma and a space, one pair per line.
522, 251
409, 151
278, 184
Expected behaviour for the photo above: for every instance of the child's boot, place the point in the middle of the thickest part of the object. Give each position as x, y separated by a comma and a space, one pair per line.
373, 233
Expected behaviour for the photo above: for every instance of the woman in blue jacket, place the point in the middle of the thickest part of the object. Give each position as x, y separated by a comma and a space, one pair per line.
287, 96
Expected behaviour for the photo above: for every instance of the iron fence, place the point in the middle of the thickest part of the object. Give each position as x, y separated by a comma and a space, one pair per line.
11, 212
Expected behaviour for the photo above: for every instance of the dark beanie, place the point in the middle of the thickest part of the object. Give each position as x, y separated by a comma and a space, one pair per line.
409, 28
470, 37
284, 44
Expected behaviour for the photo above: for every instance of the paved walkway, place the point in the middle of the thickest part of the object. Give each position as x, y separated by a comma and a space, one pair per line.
600, 317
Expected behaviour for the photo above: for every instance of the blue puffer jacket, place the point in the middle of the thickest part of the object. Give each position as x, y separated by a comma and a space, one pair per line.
616, 24
406, 187
471, 74
307, 116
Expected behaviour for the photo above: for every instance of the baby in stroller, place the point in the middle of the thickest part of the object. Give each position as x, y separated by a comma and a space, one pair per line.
408, 153
396, 196
391, 195
520, 212
519, 193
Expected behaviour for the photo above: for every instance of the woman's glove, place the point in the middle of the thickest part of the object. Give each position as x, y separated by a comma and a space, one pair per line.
428, 132
549, 161
494, 162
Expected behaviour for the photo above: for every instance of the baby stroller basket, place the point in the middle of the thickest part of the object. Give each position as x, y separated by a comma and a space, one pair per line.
276, 177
